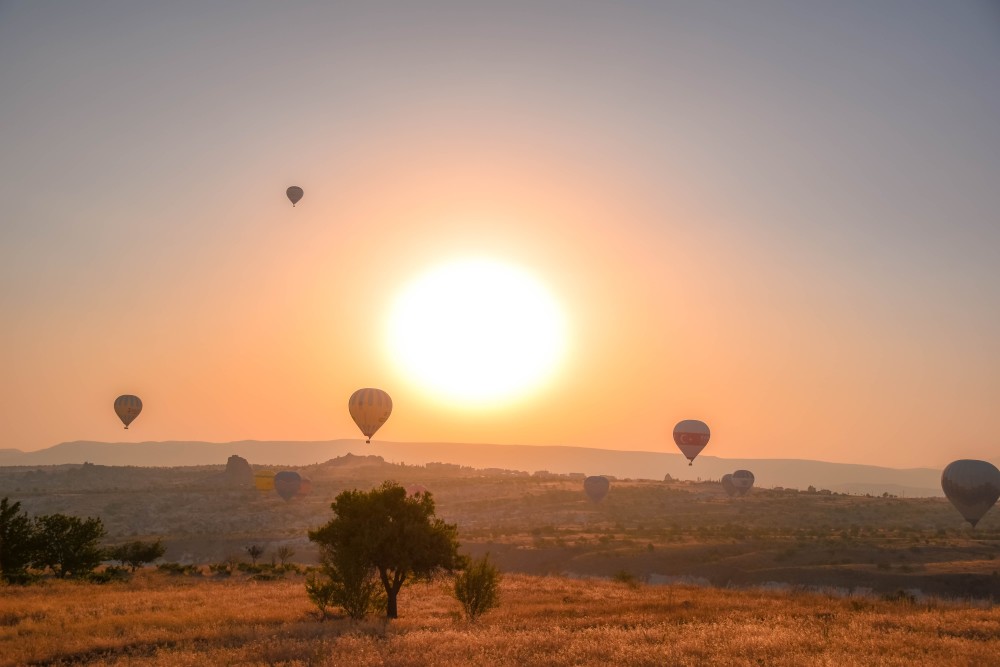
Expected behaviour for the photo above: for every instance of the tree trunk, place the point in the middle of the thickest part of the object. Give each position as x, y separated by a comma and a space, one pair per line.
390, 604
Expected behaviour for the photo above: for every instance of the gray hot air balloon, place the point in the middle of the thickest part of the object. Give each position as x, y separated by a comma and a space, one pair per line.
127, 407
596, 487
972, 487
369, 409
743, 481
691, 436
294, 194
728, 486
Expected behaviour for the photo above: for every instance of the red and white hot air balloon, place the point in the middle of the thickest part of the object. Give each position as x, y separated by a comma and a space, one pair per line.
691, 436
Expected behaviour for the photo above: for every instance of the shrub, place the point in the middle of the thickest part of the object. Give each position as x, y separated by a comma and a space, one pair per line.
478, 588
135, 554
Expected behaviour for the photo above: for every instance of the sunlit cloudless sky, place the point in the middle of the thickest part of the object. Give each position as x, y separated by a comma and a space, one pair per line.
782, 218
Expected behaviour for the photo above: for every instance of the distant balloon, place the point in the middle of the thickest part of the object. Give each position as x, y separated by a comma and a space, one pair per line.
305, 488
972, 487
127, 407
728, 486
596, 487
287, 484
691, 436
414, 489
369, 409
294, 194
743, 481
264, 480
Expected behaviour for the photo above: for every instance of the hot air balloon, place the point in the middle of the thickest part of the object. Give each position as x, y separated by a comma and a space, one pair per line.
264, 480
287, 484
414, 489
305, 488
728, 486
294, 194
369, 409
127, 407
596, 487
743, 481
691, 437
972, 487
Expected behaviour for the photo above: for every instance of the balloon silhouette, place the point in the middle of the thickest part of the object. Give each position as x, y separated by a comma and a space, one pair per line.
972, 487
127, 407
596, 487
287, 484
294, 194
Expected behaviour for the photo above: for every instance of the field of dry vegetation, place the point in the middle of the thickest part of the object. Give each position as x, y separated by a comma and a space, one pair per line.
160, 619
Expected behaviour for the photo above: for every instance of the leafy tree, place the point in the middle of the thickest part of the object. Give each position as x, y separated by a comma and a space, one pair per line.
16, 542
478, 588
135, 554
399, 537
255, 551
68, 544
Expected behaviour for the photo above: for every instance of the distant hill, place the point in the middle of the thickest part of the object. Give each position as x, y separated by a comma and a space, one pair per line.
789, 473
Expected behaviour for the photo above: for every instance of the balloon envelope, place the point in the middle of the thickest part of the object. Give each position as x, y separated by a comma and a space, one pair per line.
127, 407
728, 486
596, 487
264, 480
305, 488
414, 489
287, 484
691, 436
743, 481
294, 194
972, 487
369, 409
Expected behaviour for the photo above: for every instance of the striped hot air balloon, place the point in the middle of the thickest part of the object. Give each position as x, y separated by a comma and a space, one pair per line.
127, 407
369, 409
263, 480
691, 436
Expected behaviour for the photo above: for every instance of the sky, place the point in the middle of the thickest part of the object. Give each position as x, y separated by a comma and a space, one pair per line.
781, 218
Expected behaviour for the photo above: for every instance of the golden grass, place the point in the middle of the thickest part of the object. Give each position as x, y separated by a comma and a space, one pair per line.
161, 620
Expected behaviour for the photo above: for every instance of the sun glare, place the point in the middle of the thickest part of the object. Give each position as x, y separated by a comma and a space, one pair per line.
477, 331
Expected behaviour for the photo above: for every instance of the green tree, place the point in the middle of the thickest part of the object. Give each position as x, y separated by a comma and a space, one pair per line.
16, 542
478, 588
399, 537
68, 544
135, 554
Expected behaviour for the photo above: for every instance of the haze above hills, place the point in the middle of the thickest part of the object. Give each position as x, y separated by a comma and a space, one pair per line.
789, 473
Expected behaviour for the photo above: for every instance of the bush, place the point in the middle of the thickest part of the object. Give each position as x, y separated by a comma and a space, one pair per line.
478, 588
320, 591
135, 554
16, 542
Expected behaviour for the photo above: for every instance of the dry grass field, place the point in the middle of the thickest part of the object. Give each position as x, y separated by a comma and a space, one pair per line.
159, 619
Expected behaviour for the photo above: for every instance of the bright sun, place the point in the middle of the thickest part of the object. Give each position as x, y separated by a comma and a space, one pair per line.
477, 331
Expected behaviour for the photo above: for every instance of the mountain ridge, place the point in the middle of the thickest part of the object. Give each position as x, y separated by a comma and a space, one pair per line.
790, 473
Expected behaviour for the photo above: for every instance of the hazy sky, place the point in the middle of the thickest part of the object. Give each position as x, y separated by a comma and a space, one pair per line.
782, 218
